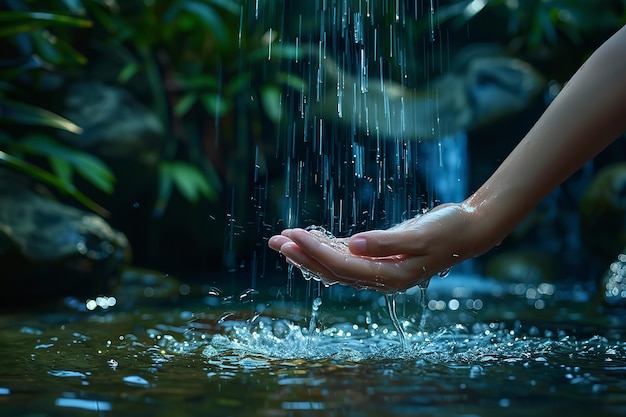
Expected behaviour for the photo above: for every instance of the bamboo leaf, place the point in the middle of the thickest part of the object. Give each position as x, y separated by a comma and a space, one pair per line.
12, 111
94, 171
210, 18
185, 103
271, 99
215, 104
229, 5
88, 166
14, 23
49, 179
128, 72
198, 82
75, 6
52, 18
190, 181
62, 169
166, 185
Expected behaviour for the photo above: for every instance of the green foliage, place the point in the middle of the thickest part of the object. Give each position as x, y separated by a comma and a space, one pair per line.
22, 113
46, 177
540, 23
189, 180
65, 160
199, 64
30, 46
186, 52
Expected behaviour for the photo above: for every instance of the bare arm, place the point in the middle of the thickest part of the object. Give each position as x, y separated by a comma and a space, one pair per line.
585, 118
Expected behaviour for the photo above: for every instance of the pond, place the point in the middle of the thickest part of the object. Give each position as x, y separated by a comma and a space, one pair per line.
473, 347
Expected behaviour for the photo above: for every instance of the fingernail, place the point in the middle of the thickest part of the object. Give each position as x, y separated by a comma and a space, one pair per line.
358, 245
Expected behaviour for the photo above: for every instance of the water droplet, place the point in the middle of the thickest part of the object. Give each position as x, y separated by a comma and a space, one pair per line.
445, 272
136, 380
67, 374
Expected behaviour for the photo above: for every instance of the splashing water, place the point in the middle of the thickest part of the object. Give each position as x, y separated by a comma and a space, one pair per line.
314, 312
259, 342
393, 314
165, 366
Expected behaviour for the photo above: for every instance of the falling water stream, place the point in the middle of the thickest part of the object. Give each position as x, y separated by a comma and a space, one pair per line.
366, 138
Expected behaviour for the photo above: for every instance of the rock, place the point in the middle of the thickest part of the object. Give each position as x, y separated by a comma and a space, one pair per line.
483, 88
603, 213
521, 267
49, 249
128, 137
114, 123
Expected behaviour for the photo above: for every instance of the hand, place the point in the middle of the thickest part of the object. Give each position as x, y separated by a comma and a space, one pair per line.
390, 260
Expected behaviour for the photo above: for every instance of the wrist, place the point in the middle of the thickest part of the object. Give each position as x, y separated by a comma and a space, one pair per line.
487, 224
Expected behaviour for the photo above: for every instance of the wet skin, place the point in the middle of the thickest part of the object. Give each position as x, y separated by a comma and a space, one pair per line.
386, 260
584, 119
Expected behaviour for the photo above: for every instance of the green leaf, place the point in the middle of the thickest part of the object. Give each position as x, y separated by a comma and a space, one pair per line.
104, 17
128, 72
279, 51
547, 24
48, 178
198, 82
45, 47
21, 27
229, 5
185, 103
271, 99
211, 19
215, 104
94, 170
88, 166
12, 111
291, 80
64, 53
75, 6
238, 83
189, 180
62, 169
18, 67
13, 23
166, 184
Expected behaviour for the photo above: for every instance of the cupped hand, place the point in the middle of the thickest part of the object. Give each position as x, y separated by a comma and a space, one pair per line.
389, 260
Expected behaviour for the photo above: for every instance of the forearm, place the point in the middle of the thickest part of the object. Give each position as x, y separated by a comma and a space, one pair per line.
584, 119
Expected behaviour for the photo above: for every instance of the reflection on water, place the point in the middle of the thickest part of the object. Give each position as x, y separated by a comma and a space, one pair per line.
211, 357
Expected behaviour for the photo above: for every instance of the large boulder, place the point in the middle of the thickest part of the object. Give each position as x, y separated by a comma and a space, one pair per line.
49, 249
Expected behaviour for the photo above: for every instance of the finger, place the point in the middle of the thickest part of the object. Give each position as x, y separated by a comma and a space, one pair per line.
309, 266
382, 274
412, 237
378, 243
277, 241
347, 267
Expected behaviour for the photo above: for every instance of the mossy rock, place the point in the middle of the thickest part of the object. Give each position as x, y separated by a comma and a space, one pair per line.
49, 249
603, 213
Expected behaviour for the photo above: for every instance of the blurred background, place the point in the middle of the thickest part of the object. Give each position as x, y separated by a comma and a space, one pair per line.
159, 144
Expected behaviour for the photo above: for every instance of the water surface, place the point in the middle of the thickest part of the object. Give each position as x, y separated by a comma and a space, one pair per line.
213, 356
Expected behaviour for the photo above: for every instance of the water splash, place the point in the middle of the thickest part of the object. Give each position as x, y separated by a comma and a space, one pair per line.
393, 315
267, 340
314, 312
614, 282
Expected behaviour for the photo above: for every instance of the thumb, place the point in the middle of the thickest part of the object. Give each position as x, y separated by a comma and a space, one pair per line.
383, 243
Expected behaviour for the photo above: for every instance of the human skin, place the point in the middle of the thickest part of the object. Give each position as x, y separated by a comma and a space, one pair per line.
586, 116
